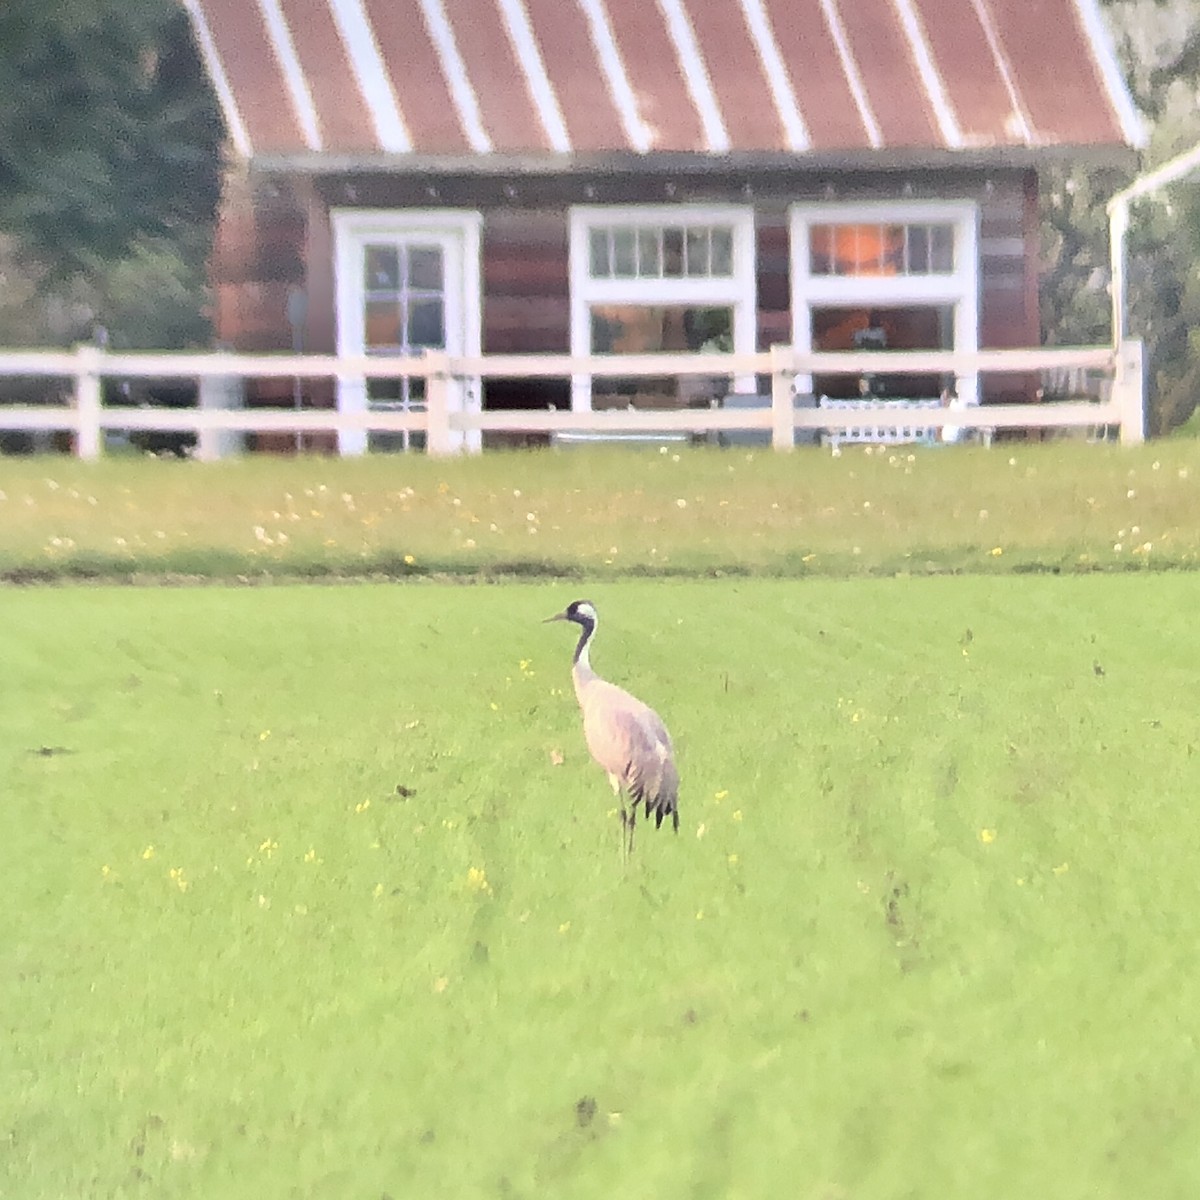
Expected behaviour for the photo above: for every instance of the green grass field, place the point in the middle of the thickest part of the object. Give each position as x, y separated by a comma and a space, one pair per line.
929, 928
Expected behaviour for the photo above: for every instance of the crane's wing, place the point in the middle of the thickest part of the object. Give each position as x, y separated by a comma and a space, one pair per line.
629, 740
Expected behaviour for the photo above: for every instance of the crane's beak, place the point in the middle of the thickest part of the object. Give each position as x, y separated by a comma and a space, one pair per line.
562, 616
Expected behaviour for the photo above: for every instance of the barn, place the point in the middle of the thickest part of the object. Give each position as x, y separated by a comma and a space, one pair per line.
591, 176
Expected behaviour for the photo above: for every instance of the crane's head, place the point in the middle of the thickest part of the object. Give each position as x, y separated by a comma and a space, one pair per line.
582, 612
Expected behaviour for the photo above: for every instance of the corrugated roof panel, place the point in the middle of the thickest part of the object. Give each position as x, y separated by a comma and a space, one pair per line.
897, 94
738, 76
1055, 71
535, 77
240, 37
415, 73
807, 46
509, 113
344, 119
984, 97
574, 70
655, 76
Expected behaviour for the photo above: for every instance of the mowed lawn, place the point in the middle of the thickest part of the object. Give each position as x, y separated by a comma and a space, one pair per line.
313, 891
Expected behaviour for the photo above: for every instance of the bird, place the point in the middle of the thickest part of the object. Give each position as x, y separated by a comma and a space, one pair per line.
625, 737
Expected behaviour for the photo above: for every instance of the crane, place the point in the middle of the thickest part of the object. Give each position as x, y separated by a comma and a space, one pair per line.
626, 737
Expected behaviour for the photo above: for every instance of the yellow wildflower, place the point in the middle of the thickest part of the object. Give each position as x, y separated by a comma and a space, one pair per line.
477, 880
987, 836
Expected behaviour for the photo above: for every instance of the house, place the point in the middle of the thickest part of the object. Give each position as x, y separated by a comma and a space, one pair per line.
638, 175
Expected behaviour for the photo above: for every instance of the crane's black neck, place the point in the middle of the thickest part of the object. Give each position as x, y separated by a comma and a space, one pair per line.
587, 627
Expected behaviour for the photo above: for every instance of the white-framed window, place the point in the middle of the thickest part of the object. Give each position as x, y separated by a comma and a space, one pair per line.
650, 278
406, 280
897, 275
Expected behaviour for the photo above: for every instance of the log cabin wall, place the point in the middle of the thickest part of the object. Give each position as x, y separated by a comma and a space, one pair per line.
274, 235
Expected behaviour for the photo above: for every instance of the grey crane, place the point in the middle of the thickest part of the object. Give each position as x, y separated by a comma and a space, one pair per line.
626, 737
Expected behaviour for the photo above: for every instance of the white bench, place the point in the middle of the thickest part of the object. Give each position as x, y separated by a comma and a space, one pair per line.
870, 433
566, 438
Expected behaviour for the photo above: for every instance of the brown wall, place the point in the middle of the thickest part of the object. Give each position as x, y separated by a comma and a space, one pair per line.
275, 235
1008, 303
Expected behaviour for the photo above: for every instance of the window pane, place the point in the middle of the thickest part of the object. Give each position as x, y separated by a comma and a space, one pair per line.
673, 253
892, 250
648, 329
941, 250
722, 250
425, 326
697, 252
382, 324
381, 269
425, 268
820, 250
624, 266
649, 254
599, 255
918, 250
900, 327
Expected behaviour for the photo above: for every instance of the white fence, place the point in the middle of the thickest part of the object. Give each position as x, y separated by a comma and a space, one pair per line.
219, 377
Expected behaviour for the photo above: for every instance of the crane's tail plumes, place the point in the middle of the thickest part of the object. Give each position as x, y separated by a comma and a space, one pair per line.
660, 803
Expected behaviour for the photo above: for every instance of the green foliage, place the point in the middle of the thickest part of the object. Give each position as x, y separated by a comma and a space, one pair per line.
108, 133
109, 172
1159, 46
926, 931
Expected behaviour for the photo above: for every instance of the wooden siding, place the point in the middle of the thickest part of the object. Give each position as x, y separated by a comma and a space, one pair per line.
275, 236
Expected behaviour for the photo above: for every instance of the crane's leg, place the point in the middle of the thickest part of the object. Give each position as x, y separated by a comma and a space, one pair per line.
626, 818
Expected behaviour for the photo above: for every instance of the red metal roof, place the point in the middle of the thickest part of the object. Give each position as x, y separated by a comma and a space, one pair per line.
476, 78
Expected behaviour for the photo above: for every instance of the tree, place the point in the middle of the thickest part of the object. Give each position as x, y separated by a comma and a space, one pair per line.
1158, 42
109, 144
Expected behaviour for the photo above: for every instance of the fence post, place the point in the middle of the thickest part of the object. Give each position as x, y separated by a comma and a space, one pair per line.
88, 436
216, 392
783, 403
1129, 388
437, 404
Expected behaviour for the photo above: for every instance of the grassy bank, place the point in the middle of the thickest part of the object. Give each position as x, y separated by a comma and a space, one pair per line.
1060, 506
314, 892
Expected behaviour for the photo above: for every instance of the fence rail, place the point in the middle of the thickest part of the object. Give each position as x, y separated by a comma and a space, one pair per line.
220, 376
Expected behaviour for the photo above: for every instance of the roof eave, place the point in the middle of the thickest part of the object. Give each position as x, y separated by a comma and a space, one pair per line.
900, 159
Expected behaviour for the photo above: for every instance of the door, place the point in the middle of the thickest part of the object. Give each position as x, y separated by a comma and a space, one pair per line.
407, 282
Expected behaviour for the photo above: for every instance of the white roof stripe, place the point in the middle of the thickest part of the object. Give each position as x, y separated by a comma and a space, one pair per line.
520, 33
1132, 126
1020, 114
931, 78
763, 37
371, 76
220, 81
466, 103
850, 70
695, 75
293, 74
636, 130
